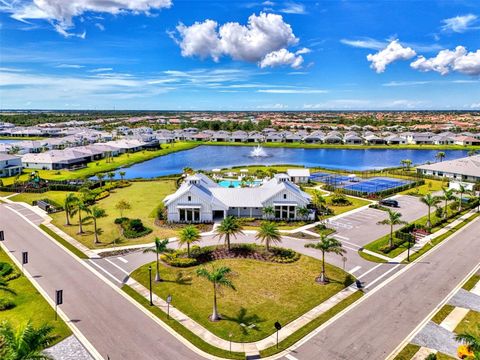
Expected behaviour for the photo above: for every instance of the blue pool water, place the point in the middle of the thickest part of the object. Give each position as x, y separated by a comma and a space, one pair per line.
210, 157
236, 183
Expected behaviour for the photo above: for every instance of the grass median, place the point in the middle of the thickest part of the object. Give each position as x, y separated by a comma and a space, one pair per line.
180, 329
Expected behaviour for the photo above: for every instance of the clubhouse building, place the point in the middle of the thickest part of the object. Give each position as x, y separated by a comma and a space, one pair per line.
200, 199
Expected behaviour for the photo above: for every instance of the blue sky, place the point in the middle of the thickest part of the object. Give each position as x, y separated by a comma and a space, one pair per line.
240, 55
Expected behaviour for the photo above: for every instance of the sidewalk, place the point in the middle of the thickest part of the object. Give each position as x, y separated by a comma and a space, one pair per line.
420, 244
252, 348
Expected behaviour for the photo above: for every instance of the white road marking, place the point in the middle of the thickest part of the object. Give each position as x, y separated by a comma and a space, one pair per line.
290, 357
356, 268
122, 260
382, 276
118, 267
105, 271
351, 244
369, 271
341, 237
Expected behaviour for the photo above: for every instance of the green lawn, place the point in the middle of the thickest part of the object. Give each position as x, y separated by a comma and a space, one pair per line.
407, 352
442, 313
470, 323
56, 196
144, 197
356, 203
470, 284
30, 305
429, 187
289, 292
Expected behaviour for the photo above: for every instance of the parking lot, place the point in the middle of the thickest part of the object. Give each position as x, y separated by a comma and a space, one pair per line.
360, 228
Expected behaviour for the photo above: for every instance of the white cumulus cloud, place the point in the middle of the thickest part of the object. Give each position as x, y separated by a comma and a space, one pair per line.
393, 52
459, 24
459, 60
61, 12
264, 39
281, 57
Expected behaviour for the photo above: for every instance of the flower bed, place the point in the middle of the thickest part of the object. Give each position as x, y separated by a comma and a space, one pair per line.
200, 255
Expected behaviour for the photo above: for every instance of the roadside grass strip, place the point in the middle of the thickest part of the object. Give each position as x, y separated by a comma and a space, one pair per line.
180, 329
64, 242
440, 238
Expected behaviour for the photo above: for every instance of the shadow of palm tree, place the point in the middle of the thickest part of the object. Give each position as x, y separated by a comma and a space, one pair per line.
245, 321
181, 279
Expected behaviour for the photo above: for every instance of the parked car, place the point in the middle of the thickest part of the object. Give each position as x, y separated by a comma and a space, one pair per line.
389, 202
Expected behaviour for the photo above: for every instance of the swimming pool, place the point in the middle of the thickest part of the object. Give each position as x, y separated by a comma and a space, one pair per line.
237, 183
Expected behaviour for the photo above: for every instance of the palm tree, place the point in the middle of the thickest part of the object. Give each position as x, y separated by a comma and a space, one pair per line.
430, 201
111, 175
461, 190
447, 196
159, 248
80, 206
394, 218
68, 204
100, 178
189, 235
218, 277
26, 344
4, 287
303, 212
268, 234
472, 152
122, 174
95, 214
472, 341
326, 245
406, 163
268, 211
228, 227
440, 156
122, 205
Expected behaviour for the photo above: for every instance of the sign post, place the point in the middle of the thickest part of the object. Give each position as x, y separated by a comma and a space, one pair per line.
58, 300
278, 326
150, 282
2, 235
24, 258
169, 300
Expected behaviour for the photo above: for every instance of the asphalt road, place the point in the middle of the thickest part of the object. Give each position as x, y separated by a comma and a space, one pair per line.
375, 327
112, 324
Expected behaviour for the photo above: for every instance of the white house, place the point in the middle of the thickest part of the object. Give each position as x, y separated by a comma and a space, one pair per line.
10, 165
299, 176
200, 199
464, 169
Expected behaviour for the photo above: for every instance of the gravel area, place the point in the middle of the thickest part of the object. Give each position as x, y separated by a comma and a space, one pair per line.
466, 299
436, 337
69, 349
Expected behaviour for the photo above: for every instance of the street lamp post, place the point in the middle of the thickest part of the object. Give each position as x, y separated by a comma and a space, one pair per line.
230, 339
150, 282
408, 250
344, 259
278, 326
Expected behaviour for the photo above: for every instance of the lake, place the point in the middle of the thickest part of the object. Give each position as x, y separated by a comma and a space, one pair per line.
207, 157
4, 141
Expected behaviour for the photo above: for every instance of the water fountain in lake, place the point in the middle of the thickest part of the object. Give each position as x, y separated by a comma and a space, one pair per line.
258, 152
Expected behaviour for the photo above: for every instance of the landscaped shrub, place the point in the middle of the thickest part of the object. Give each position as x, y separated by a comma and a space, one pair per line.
120, 220
5, 269
132, 228
340, 200
6, 304
177, 259
283, 256
102, 195
161, 212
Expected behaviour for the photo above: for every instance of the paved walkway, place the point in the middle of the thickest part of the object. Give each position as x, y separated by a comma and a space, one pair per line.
252, 348
68, 349
466, 299
436, 337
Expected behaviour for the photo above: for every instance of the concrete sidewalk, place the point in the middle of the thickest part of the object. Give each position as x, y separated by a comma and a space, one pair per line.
252, 348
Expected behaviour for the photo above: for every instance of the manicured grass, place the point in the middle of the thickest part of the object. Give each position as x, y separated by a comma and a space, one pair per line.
144, 197
440, 238
289, 292
56, 196
64, 243
21, 138
442, 356
312, 325
376, 245
470, 284
470, 324
407, 352
442, 313
356, 203
371, 258
101, 166
429, 187
30, 305
179, 328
